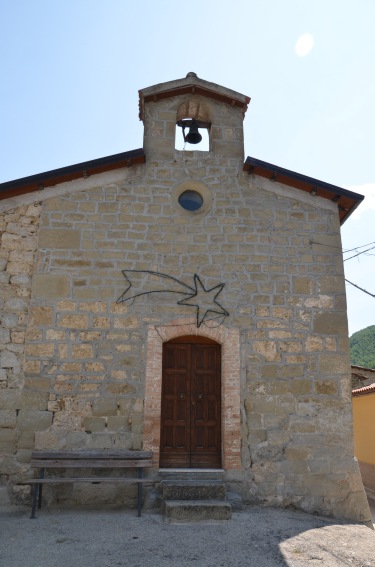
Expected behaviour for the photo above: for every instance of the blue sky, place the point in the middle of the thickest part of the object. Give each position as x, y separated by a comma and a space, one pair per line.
71, 71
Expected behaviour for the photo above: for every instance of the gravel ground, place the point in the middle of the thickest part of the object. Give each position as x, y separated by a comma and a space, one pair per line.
256, 536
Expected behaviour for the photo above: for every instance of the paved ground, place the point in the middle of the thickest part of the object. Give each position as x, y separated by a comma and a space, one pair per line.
256, 537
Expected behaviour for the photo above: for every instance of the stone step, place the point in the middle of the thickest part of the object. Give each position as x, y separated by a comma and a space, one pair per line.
193, 490
191, 474
196, 510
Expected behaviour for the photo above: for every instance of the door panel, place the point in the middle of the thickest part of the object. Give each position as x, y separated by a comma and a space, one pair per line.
191, 406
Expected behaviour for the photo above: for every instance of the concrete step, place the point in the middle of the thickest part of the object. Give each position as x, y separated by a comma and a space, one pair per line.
196, 510
193, 490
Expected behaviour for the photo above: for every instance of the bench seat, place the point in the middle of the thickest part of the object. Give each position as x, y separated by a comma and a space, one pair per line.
95, 460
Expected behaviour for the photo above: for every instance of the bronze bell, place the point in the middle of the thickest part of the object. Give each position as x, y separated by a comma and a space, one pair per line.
193, 137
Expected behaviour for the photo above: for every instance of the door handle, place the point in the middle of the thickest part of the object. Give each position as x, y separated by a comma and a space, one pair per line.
182, 396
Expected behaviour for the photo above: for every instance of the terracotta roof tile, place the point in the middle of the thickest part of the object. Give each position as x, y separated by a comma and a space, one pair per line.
365, 390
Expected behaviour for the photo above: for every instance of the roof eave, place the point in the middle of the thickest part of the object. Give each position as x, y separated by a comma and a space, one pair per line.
77, 171
191, 85
346, 201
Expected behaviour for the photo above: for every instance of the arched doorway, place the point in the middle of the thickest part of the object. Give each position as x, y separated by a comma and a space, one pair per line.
190, 432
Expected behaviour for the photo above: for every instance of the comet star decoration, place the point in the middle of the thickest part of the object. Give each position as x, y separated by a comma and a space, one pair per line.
197, 296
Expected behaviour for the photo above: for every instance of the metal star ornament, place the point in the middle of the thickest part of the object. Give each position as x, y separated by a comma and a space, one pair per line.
205, 301
146, 282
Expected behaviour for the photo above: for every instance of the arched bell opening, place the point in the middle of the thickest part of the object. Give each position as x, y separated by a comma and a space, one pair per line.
193, 126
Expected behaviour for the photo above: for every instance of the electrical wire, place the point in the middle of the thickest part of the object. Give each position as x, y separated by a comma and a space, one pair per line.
361, 288
359, 253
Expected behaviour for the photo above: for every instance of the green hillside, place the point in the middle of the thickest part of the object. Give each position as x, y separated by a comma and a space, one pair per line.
362, 347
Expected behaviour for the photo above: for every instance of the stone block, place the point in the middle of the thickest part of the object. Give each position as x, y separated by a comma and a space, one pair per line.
279, 387
26, 440
294, 467
94, 424
332, 284
303, 286
124, 440
33, 400
270, 370
59, 238
120, 389
299, 387
298, 454
4, 336
42, 350
66, 305
38, 382
18, 337
16, 304
292, 371
330, 323
261, 404
10, 399
8, 418
326, 387
33, 420
33, 334
101, 322
330, 363
8, 439
125, 406
118, 423
105, 407
314, 344
101, 441
83, 351
41, 316
267, 349
51, 286
23, 455
9, 320
77, 440
9, 360
74, 321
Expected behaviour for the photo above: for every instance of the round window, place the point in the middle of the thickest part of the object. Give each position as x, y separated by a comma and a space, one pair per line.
190, 200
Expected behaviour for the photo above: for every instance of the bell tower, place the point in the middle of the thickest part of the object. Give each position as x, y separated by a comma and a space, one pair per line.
193, 105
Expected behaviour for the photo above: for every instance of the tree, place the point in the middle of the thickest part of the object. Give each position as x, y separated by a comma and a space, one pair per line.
362, 347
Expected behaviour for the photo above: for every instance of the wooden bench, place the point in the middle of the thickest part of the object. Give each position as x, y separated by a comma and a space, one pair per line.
96, 460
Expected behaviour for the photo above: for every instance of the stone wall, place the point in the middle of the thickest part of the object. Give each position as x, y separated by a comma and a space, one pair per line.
21, 411
278, 252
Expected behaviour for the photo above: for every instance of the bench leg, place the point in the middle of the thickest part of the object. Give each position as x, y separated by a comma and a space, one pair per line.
139, 493
36, 489
40, 490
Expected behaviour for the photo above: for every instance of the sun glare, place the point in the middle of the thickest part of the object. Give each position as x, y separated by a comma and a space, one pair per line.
304, 44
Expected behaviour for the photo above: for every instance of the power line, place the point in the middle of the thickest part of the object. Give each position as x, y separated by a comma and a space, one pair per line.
340, 248
357, 247
359, 253
361, 288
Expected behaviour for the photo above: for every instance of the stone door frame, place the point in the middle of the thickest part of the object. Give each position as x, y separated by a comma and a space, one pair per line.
229, 339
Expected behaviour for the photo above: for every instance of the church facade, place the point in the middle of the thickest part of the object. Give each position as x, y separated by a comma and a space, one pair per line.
187, 302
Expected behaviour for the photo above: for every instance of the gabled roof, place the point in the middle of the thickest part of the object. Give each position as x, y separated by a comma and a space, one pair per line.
63, 174
191, 84
347, 201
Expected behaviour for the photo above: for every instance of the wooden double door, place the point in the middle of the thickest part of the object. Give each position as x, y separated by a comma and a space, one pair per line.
191, 404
